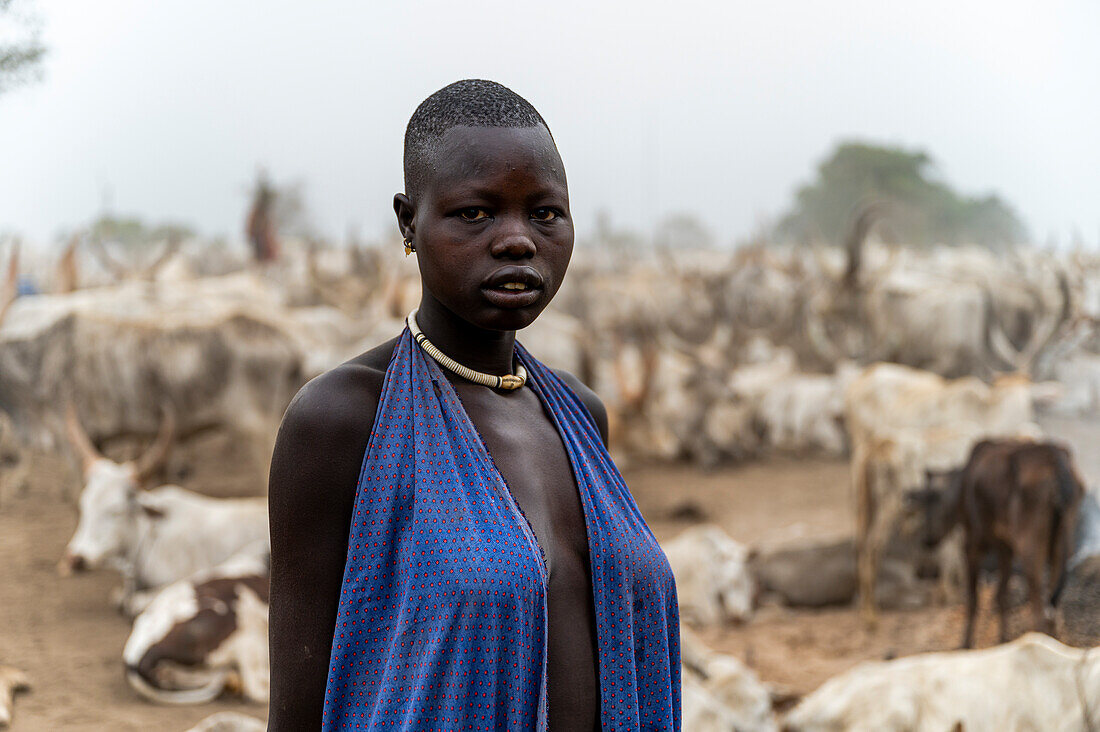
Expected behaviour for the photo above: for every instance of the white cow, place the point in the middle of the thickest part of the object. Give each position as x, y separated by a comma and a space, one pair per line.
229, 722
721, 694
713, 582
11, 681
152, 537
1033, 683
199, 633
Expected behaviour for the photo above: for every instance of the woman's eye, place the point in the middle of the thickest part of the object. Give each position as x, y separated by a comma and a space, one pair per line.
545, 214
473, 214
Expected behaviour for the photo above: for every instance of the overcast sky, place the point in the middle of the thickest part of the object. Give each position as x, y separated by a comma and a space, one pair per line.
720, 108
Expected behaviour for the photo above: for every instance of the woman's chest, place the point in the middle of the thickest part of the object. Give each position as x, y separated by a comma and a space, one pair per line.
527, 451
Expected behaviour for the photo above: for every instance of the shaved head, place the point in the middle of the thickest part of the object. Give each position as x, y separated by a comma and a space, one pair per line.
467, 103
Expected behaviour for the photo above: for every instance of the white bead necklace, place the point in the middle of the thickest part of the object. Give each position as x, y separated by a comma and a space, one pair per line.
508, 381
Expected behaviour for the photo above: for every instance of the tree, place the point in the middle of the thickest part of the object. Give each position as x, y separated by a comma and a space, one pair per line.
21, 51
921, 210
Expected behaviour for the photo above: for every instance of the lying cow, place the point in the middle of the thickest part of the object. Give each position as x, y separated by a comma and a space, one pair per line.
153, 537
1033, 683
821, 574
199, 636
713, 583
11, 681
720, 693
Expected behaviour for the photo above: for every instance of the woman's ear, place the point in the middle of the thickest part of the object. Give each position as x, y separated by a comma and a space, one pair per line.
406, 214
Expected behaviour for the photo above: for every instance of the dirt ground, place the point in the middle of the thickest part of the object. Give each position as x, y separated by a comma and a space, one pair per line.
66, 636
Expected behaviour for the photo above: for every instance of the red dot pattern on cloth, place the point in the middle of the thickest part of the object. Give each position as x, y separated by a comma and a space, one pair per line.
442, 616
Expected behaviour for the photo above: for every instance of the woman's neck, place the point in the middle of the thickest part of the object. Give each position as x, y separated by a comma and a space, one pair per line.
489, 351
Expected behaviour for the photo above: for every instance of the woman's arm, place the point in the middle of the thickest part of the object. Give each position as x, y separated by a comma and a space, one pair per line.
311, 495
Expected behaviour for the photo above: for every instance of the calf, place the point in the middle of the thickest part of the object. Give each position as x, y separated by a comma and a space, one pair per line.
199, 634
1033, 683
153, 537
1020, 500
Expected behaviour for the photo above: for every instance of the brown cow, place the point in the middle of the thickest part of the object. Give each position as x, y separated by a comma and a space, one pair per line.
1018, 499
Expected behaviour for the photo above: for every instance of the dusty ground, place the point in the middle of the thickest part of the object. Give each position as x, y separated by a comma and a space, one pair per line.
65, 635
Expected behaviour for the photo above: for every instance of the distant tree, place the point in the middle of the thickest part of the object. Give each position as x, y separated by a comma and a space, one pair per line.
922, 210
21, 51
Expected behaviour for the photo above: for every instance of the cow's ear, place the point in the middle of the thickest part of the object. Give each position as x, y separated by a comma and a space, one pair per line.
150, 509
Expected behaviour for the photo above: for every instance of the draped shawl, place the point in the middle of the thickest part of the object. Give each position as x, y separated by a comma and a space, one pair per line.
442, 620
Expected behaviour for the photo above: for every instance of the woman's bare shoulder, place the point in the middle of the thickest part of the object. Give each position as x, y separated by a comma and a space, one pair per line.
342, 399
588, 397
325, 430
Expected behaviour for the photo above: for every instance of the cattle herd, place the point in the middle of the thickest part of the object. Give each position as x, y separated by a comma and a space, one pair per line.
929, 371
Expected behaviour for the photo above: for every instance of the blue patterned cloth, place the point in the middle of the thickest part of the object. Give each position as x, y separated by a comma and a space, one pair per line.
442, 618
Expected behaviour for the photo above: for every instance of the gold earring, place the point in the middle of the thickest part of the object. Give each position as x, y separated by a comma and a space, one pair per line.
409, 248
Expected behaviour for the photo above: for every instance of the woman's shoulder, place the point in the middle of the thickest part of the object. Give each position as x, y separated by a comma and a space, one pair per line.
588, 397
341, 400
324, 433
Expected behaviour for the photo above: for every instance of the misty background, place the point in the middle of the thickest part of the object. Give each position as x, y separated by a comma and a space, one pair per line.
167, 110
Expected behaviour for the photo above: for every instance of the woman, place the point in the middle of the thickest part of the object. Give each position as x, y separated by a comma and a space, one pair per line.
452, 547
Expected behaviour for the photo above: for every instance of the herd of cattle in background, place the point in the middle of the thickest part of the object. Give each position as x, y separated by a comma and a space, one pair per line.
926, 368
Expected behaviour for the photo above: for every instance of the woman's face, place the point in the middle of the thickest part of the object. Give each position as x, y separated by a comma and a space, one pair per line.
491, 224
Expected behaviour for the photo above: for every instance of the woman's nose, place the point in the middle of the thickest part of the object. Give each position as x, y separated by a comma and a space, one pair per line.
513, 242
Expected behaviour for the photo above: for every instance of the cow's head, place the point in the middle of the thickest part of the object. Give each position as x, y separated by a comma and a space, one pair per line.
112, 501
937, 504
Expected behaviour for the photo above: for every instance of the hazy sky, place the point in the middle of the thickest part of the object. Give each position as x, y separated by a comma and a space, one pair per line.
718, 108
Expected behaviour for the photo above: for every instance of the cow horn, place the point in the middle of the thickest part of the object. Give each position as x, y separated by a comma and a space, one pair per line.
109, 262
67, 274
11, 286
201, 695
153, 458
1044, 332
864, 216
170, 247
79, 438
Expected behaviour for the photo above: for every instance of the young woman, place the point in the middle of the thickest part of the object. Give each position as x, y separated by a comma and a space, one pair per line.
452, 547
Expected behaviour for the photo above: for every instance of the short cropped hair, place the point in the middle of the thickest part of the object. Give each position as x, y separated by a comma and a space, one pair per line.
466, 103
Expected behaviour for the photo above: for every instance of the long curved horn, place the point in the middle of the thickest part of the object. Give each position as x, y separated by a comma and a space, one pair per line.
170, 247
109, 262
151, 460
66, 266
79, 438
204, 694
867, 213
1042, 334
11, 282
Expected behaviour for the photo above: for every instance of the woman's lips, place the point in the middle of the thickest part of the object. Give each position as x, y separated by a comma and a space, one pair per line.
503, 297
